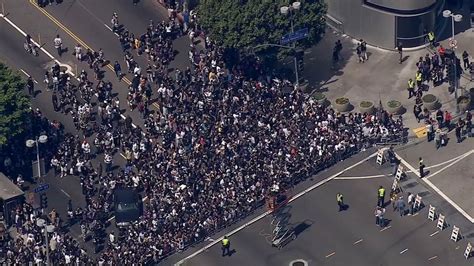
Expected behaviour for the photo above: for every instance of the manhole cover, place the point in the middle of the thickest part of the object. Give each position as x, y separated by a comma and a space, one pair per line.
299, 263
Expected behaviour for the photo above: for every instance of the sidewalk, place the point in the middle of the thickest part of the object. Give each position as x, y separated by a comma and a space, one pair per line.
381, 78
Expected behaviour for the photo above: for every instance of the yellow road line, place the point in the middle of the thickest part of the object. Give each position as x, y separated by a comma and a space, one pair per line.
70, 33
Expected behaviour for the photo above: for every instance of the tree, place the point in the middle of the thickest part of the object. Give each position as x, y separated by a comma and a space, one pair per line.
14, 105
248, 23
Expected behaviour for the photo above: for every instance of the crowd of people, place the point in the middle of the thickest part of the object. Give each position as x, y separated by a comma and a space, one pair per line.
217, 145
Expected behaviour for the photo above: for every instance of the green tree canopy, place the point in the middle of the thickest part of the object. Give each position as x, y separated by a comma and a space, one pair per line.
14, 105
248, 23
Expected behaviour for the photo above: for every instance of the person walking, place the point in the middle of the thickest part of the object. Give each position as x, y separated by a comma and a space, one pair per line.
377, 213
421, 167
417, 111
400, 52
340, 201
381, 196
225, 246
58, 45
359, 53
54, 99
411, 88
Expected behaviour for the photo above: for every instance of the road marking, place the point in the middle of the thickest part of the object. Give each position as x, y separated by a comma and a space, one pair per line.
415, 214
451, 164
385, 228
403, 251
358, 241
28, 75
462, 156
457, 247
435, 233
320, 183
432, 258
74, 36
69, 196
436, 189
121, 154
330, 255
107, 26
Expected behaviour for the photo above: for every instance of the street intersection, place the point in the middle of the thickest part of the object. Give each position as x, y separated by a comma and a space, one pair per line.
325, 236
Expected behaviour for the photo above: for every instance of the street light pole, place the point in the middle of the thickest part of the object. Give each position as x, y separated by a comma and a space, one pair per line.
37, 141
291, 9
454, 18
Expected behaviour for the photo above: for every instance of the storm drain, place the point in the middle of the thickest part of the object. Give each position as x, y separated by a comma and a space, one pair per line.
299, 263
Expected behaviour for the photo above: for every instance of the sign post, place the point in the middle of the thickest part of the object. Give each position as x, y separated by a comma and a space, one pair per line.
297, 35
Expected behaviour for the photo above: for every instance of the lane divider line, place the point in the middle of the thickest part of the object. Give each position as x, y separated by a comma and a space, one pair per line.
28, 75
74, 36
259, 217
330, 255
403, 251
358, 241
432, 258
435, 233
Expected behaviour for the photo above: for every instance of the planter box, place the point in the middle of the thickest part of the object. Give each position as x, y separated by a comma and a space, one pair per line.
367, 107
394, 107
342, 104
430, 102
319, 98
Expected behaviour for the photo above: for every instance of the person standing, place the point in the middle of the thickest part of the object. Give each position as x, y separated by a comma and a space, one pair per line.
417, 111
411, 203
31, 86
363, 48
419, 80
421, 167
465, 60
411, 88
377, 215
458, 130
225, 246
359, 53
54, 99
431, 39
401, 206
437, 138
58, 45
447, 119
340, 201
381, 196
118, 70
400, 52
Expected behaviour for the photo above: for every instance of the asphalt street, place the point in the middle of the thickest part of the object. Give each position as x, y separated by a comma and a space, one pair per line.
351, 237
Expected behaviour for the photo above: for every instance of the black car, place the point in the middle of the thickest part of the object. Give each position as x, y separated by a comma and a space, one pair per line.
127, 205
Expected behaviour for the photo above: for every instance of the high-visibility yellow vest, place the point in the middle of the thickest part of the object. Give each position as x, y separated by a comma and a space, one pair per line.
225, 242
431, 36
381, 192
411, 84
418, 76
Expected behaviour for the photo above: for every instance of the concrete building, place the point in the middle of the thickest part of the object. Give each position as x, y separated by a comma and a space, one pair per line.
384, 23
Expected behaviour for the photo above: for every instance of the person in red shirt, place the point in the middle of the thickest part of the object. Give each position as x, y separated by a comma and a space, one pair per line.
447, 119
441, 52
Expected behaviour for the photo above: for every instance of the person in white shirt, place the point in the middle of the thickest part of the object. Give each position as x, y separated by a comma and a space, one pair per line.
58, 45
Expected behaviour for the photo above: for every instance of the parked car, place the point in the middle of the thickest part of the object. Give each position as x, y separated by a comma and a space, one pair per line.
127, 206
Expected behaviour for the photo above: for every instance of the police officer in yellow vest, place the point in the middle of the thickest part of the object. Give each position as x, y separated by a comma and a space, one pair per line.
225, 246
431, 38
411, 88
381, 197
419, 79
340, 201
